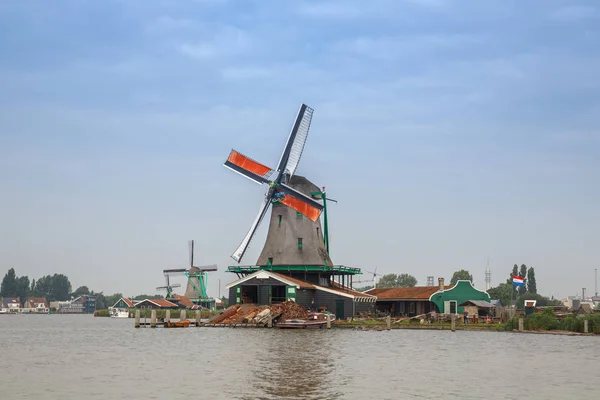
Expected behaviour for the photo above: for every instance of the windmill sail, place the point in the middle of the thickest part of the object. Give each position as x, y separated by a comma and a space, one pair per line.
239, 252
248, 167
300, 202
290, 158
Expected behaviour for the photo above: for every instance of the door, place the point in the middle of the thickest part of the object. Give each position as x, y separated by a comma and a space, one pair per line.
339, 309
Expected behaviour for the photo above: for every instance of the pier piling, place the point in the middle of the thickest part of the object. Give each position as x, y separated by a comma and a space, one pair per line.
453, 323
197, 317
585, 326
182, 315
153, 319
270, 321
521, 324
168, 315
328, 321
388, 322
137, 318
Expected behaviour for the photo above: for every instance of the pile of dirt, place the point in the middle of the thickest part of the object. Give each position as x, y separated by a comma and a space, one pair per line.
250, 313
289, 310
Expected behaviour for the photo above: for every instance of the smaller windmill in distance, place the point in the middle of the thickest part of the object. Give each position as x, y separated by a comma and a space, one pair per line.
197, 280
168, 287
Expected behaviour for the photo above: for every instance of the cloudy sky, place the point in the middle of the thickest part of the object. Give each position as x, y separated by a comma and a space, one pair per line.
448, 134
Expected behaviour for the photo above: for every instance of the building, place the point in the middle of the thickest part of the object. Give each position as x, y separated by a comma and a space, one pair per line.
36, 304
123, 304
85, 304
268, 287
156, 304
11, 305
405, 301
418, 300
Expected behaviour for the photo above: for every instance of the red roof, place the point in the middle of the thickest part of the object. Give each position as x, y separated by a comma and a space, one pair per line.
128, 302
184, 301
339, 288
37, 300
405, 293
159, 302
302, 284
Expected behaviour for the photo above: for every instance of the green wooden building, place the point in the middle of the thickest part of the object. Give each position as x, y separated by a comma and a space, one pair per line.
448, 301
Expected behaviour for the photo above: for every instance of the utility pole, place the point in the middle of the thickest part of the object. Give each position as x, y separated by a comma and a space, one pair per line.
596, 281
219, 288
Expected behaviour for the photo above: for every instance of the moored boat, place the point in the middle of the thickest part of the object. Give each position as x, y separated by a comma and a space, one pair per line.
314, 321
119, 313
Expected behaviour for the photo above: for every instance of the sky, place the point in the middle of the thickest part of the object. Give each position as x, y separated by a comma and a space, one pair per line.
448, 133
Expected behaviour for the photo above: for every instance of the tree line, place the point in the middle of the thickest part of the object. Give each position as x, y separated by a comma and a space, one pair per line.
407, 280
56, 287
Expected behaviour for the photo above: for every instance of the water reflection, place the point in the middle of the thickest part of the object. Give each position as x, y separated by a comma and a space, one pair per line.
296, 364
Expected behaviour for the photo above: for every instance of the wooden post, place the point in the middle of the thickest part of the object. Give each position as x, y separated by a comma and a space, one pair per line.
328, 321
585, 326
270, 321
453, 323
168, 316
388, 322
137, 318
197, 317
153, 319
521, 324
182, 315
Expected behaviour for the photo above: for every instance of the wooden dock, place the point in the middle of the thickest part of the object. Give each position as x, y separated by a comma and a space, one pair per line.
182, 322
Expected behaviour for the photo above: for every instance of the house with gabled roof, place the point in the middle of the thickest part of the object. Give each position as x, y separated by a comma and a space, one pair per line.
267, 287
156, 304
123, 304
11, 305
36, 304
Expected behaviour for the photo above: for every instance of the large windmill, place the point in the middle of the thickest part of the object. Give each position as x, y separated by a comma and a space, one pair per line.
296, 246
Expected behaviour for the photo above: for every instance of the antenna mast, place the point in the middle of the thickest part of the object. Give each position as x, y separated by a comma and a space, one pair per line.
488, 276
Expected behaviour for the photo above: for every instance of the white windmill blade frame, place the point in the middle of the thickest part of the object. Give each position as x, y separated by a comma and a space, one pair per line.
301, 196
290, 158
264, 206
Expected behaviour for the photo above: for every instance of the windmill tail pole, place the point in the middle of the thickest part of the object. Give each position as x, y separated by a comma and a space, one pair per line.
326, 227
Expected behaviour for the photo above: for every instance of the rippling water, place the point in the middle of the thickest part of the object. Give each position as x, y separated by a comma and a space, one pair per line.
78, 356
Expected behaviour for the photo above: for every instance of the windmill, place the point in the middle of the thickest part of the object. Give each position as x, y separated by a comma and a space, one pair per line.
168, 287
197, 279
291, 191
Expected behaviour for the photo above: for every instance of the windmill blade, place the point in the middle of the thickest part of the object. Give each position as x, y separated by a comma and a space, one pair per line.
300, 202
264, 206
204, 268
295, 144
191, 252
247, 167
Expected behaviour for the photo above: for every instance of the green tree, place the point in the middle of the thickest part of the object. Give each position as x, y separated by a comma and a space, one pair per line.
501, 292
80, 291
531, 284
100, 300
363, 288
393, 280
32, 289
462, 275
387, 281
61, 287
22, 287
523, 274
112, 299
406, 280
542, 301
8, 288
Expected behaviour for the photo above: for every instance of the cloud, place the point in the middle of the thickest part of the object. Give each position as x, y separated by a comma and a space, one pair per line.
573, 13
228, 41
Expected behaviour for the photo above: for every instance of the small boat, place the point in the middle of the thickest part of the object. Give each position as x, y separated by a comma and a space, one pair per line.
119, 313
314, 321
178, 324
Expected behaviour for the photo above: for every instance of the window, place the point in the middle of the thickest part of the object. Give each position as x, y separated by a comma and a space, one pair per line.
298, 215
299, 243
453, 307
270, 261
317, 231
279, 220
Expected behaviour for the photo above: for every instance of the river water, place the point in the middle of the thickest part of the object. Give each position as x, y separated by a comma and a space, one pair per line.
61, 357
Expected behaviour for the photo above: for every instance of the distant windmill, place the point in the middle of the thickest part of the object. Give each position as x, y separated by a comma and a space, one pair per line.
301, 197
197, 277
375, 275
168, 287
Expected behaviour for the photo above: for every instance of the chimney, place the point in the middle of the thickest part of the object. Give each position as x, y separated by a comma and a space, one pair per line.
441, 282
